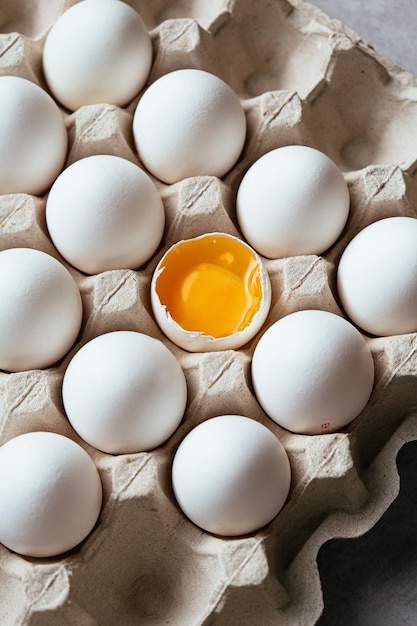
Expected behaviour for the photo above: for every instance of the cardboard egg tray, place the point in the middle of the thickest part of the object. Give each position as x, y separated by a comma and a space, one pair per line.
303, 79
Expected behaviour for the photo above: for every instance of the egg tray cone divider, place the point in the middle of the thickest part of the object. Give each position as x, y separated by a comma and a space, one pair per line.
303, 79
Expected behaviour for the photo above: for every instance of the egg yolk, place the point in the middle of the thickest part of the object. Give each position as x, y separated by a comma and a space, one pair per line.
211, 285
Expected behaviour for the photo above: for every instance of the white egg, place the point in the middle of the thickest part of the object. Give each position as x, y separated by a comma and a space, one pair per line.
50, 494
97, 51
210, 292
103, 213
124, 392
33, 137
292, 201
231, 475
189, 123
377, 277
312, 372
40, 310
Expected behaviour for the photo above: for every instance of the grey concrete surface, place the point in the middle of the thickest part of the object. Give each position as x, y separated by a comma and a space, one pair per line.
390, 26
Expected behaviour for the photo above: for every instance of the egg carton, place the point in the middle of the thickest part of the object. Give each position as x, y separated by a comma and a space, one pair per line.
303, 79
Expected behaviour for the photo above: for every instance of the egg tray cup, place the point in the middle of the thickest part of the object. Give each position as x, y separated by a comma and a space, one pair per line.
303, 79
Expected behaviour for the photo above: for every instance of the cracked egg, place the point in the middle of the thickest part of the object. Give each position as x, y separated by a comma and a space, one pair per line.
210, 293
